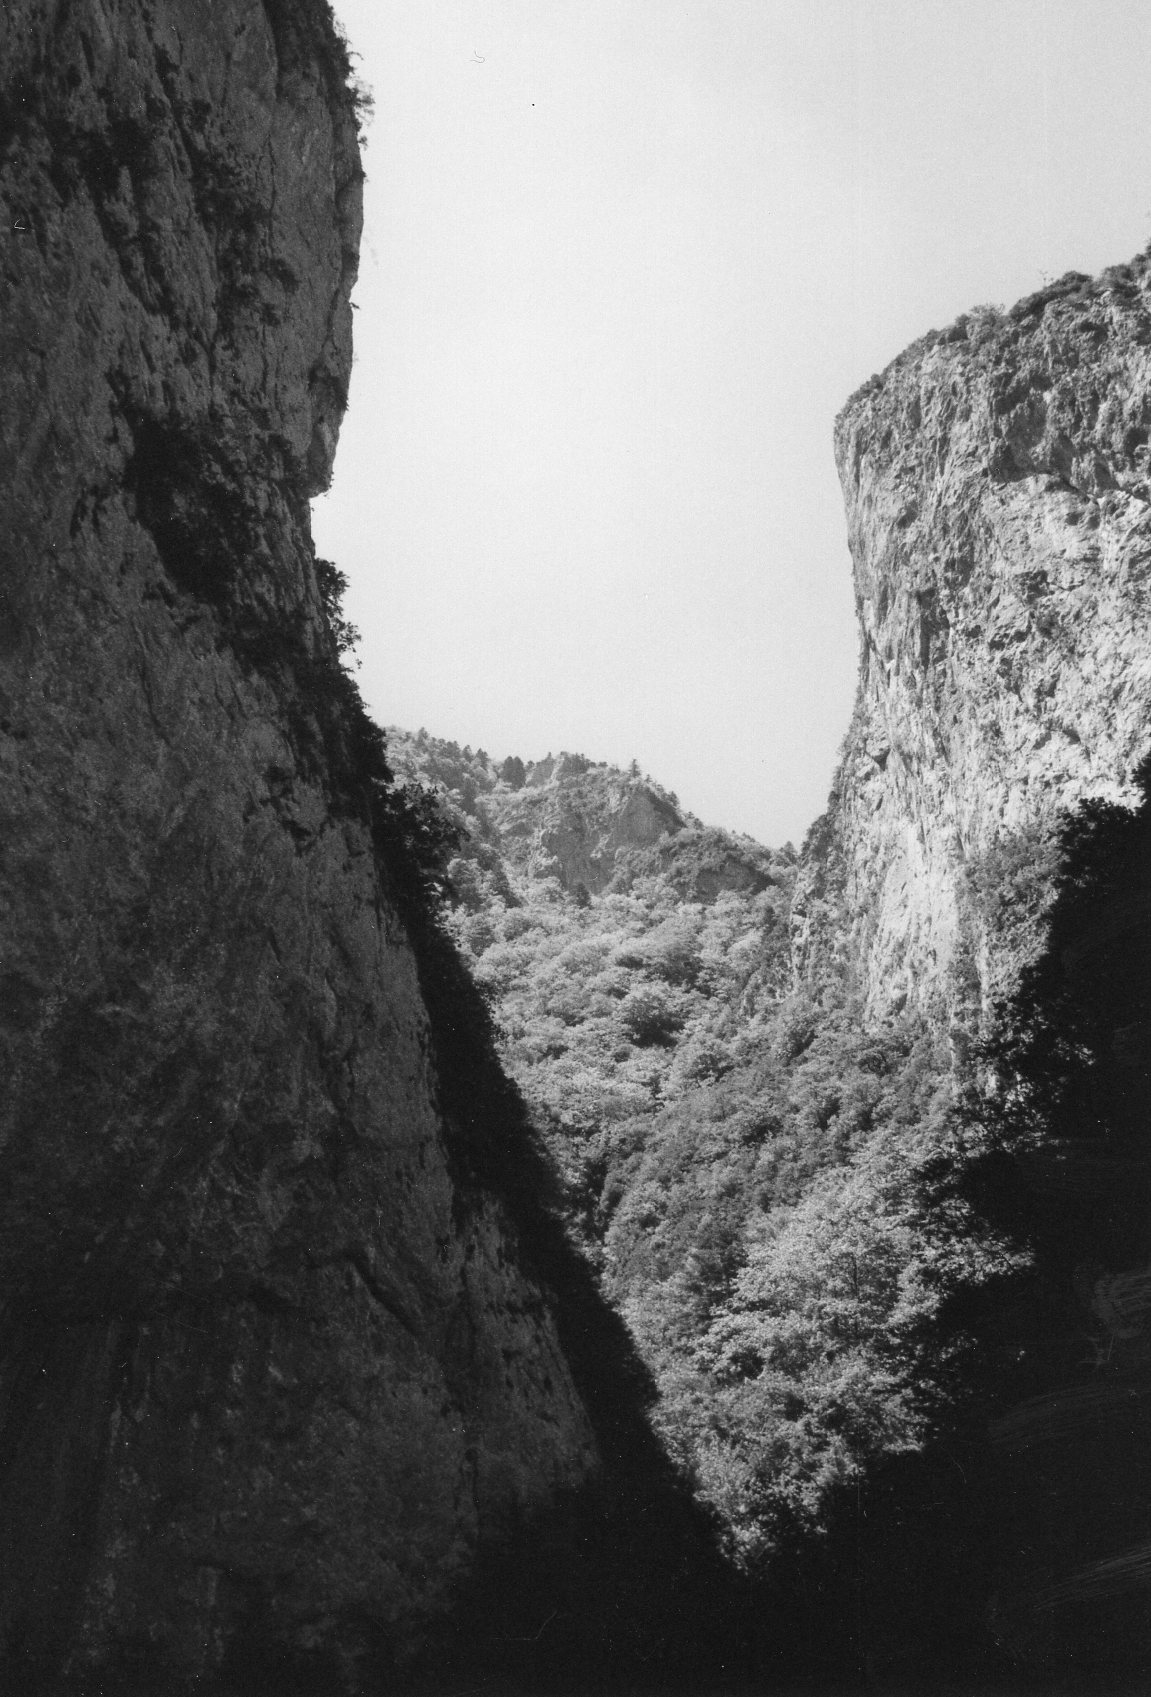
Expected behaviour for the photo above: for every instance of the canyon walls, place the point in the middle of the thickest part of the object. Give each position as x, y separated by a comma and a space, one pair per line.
297, 1376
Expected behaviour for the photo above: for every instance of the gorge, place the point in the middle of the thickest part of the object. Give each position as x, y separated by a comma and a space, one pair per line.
465, 1220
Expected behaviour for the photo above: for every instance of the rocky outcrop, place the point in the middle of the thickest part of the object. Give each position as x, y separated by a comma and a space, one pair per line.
999, 514
273, 1372
600, 828
571, 820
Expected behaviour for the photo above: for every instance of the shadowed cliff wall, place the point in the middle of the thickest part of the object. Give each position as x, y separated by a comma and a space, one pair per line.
273, 1376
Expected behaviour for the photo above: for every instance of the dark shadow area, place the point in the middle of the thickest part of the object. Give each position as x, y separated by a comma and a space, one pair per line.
620, 1586
1066, 1371
1017, 1547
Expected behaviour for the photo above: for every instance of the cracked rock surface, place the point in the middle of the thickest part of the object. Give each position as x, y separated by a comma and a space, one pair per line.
997, 478
269, 1376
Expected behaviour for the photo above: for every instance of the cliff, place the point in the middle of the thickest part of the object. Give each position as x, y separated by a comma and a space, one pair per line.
983, 866
275, 1373
996, 485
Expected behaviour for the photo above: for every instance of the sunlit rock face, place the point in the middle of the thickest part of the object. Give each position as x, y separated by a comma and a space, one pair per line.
571, 820
997, 487
270, 1375
592, 825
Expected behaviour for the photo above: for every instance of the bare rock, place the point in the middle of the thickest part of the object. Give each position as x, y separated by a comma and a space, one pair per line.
272, 1372
999, 515
572, 820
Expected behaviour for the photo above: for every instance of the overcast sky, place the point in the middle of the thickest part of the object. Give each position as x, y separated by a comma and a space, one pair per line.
623, 262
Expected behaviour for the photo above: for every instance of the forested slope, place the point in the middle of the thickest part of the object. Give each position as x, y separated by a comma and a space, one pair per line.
746, 1163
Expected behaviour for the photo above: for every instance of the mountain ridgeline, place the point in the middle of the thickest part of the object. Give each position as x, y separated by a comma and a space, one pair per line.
466, 1224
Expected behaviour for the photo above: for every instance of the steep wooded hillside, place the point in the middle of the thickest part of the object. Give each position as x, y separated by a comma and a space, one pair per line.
743, 1159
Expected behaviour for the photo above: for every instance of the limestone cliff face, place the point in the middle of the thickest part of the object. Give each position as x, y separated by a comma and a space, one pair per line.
570, 820
999, 514
271, 1371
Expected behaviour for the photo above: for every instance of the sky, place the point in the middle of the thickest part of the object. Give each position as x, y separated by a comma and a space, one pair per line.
623, 262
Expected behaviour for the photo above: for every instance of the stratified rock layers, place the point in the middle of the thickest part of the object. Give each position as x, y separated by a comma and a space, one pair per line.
269, 1377
997, 487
